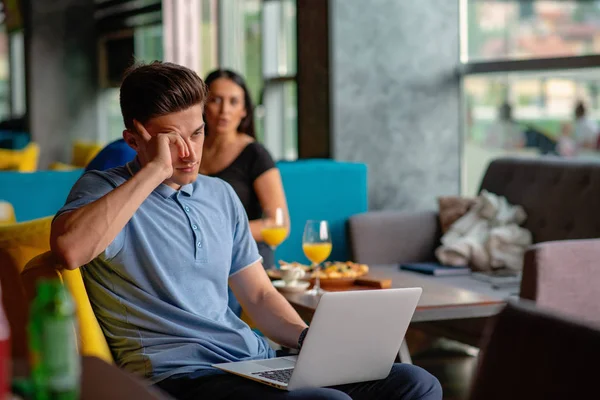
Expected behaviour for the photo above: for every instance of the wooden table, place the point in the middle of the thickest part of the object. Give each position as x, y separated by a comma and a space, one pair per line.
100, 380
456, 307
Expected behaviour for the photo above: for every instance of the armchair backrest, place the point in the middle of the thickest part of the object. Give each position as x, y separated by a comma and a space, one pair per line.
532, 354
322, 189
19, 242
564, 276
560, 196
91, 337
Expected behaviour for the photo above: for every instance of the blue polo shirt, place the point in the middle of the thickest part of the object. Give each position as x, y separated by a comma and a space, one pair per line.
159, 290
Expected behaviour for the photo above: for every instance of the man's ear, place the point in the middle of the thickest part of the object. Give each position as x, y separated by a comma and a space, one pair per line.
131, 139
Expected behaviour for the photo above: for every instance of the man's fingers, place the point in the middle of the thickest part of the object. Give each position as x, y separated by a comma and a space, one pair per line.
182, 147
141, 130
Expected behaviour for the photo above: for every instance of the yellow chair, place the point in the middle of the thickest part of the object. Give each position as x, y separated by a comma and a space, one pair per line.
84, 152
7, 213
91, 338
59, 166
25, 257
24, 160
19, 243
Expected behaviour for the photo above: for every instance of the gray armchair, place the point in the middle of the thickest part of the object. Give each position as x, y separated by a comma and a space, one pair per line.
533, 354
564, 276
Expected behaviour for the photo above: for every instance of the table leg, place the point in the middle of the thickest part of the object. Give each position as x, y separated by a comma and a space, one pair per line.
404, 353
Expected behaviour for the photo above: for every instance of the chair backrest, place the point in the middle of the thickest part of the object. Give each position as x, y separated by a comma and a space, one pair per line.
18, 244
560, 196
531, 354
24, 160
564, 276
322, 189
92, 340
37, 194
84, 152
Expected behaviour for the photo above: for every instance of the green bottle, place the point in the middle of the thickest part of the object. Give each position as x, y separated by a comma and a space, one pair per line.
55, 362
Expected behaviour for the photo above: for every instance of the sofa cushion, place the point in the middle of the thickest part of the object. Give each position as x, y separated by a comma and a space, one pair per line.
559, 196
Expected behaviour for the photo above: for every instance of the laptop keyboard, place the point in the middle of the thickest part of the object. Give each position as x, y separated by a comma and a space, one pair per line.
279, 375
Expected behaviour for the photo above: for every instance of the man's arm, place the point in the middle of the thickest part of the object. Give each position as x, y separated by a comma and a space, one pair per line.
271, 312
79, 236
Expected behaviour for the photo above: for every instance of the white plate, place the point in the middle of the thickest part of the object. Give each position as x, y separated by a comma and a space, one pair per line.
300, 286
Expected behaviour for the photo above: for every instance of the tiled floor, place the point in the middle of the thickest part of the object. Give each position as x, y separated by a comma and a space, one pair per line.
453, 367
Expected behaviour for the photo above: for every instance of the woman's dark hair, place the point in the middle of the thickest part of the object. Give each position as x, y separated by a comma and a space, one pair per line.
157, 89
247, 123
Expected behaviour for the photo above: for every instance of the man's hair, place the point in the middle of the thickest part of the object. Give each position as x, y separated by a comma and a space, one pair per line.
157, 89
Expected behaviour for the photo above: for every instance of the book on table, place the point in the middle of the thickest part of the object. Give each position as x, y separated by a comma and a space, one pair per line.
435, 269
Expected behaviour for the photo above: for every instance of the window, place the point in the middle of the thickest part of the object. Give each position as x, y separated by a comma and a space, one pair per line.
4, 74
505, 29
208, 37
257, 39
528, 90
279, 74
148, 46
541, 117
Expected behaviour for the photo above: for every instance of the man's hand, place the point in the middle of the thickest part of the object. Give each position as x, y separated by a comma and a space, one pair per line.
160, 149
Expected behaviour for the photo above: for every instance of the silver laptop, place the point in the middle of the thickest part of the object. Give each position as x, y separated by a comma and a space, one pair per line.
354, 337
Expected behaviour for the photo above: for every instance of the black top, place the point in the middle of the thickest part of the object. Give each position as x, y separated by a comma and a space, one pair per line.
252, 162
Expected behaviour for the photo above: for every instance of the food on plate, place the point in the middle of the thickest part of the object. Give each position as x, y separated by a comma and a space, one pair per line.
334, 270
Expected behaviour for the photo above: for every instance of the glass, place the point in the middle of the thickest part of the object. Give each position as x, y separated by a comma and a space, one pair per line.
539, 121
316, 244
512, 29
275, 228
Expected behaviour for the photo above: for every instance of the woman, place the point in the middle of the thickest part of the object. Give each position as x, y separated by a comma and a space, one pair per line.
232, 153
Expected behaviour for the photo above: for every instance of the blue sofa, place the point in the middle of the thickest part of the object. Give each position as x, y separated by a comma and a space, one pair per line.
36, 194
322, 189
315, 189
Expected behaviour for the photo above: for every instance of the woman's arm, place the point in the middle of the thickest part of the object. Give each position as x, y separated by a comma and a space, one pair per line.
269, 190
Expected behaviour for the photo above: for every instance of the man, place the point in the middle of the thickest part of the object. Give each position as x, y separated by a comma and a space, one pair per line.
505, 133
159, 245
585, 129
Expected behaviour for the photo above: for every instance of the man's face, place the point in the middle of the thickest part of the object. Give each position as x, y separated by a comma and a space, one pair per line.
189, 124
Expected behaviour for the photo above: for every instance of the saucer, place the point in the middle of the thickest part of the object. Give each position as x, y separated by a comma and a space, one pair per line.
298, 287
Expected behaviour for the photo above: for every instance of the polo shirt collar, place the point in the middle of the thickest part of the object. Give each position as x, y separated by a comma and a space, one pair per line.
165, 191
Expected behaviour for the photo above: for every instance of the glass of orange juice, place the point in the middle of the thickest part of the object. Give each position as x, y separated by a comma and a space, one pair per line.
275, 228
316, 244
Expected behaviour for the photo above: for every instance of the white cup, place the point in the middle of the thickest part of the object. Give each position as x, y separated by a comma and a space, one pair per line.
290, 275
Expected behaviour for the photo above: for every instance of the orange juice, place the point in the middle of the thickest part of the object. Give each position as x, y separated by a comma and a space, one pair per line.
274, 236
317, 252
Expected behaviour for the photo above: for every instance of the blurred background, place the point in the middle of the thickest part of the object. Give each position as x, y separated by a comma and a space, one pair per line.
425, 93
